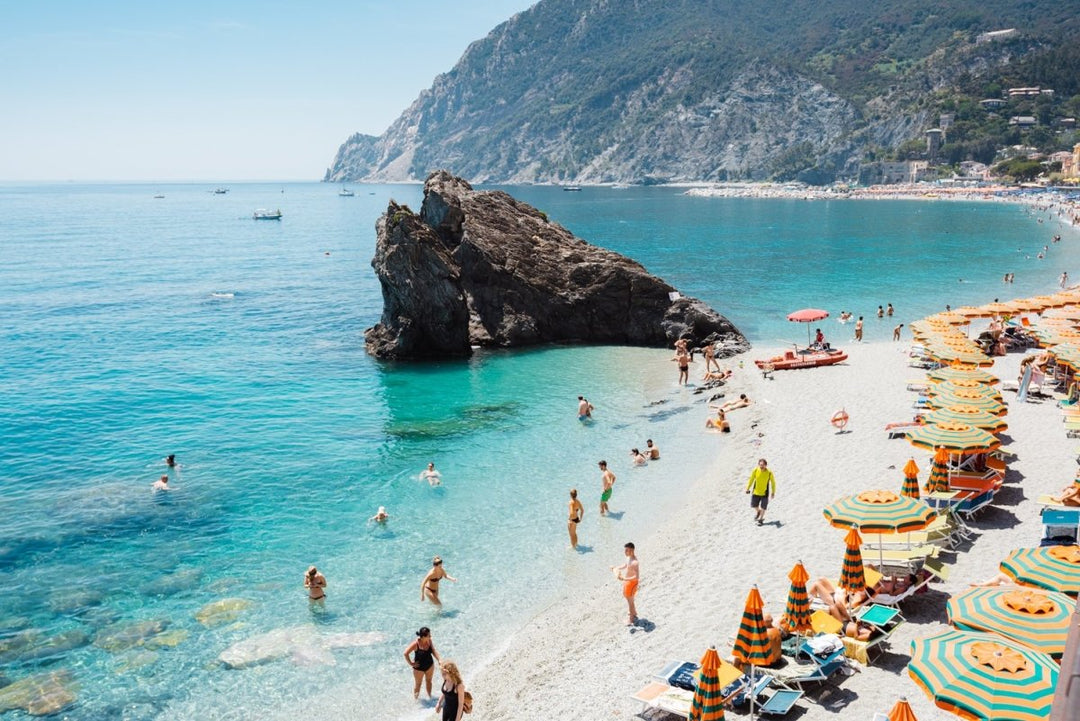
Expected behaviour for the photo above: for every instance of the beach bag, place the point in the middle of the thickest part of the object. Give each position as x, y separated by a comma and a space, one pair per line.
467, 706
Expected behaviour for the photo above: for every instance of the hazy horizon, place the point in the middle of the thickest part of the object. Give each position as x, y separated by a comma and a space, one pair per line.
209, 92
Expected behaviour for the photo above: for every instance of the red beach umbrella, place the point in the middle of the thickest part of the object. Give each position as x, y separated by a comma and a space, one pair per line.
807, 315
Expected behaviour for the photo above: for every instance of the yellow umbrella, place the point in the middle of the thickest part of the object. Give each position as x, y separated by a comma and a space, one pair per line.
953, 437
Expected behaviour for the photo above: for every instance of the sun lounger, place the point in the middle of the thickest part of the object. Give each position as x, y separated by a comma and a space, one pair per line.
932, 568
670, 699
899, 560
762, 680
899, 428
780, 702
795, 675
919, 386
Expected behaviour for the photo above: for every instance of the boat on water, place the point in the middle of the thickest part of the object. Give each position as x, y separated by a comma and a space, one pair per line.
220, 191
346, 193
264, 214
572, 188
159, 195
805, 358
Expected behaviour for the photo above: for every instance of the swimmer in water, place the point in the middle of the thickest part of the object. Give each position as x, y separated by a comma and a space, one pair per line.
315, 583
429, 587
577, 512
584, 408
170, 460
637, 458
431, 475
381, 516
161, 484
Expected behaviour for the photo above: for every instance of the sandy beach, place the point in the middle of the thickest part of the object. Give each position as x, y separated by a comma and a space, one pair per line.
577, 659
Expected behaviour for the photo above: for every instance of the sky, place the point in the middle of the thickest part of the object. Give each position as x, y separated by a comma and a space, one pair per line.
226, 90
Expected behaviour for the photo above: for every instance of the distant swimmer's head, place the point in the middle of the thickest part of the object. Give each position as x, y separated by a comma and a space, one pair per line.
634, 451
573, 493
311, 572
649, 442
581, 398
602, 464
431, 466
436, 561
170, 460
424, 632
164, 479
382, 510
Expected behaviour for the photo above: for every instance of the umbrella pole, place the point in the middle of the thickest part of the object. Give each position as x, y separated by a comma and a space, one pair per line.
750, 692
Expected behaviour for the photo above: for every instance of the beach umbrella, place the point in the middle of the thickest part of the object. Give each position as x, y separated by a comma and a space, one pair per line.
879, 512
966, 414
967, 398
901, 711
752, 641
948, 317
852, 575
938, 481
953, 437
1037, 618
1026, 305
1067, 313
797, 611
1050, 301
965, 387
911, 480
972, 312
995, 308
1056, 568
946, 354
983, 676
708, 703
808, 315
958, 372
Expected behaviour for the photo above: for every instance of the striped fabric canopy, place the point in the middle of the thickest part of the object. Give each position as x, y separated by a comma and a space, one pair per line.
911, 480
953, 437
938, 481
945, 354
797, 611
901, 711
1037, 618
953, 373
968, 415
852, 575
984, 676
1068, 313
947, 400
880, 512
752, 643
1056, 568
963, 387
708, 703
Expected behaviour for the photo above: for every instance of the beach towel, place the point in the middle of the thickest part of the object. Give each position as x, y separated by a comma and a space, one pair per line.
825, 644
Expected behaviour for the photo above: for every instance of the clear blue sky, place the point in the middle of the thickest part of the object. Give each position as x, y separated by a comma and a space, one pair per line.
228, 90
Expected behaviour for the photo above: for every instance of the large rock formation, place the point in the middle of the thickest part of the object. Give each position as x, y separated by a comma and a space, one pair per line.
478, 268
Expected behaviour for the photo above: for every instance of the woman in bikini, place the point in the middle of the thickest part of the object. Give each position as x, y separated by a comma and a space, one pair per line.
576, 512
315, 583
423, 660
429, 588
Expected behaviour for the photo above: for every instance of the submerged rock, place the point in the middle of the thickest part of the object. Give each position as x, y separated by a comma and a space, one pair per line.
304, 645
479, 268
223, 611
41, 694
121, 638
183, 580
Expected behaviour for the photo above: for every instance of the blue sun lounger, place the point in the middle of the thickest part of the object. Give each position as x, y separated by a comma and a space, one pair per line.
780, 702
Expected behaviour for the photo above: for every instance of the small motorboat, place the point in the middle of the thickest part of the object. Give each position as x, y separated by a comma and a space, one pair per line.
346, 193
220, 191
263, 214
572, 188
805, 358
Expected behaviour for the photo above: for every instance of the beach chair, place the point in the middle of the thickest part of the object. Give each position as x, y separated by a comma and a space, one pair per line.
920, 386
795, 675
669, 699
899, 560
780, 702
932, 569
883, 620
1061, 524
899, 428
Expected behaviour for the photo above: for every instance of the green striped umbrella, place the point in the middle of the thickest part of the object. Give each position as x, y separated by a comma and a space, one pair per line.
948, 400
880, 512
752, 643
953, 437
947, 354
938, 481
953, 373
852, 575
797, 611
964, 387
911, 480
1056, 568
708, 703
1036, 618
984, 676
969, 416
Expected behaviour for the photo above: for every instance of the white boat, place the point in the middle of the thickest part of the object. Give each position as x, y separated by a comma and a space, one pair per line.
264, 214
346, 193
572, 188
220, 191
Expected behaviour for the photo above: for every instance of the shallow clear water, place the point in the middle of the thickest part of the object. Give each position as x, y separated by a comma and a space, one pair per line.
134, 327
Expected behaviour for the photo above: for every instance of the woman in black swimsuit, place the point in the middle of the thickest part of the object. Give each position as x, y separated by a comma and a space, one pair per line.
423, 660
452, 701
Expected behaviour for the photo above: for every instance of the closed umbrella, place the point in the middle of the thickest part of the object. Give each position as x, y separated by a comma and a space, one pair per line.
797, 611
1037, 618
911, 480
953, 437
1056, 568
808, 315
901, 711
957, 372
752, 641
984, 676
708, 703
852, 575
938, 480
969, 416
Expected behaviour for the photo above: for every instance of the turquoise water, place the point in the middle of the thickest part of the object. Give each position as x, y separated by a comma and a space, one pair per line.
135, 327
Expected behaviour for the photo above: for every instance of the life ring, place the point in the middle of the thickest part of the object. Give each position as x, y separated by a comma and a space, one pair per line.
839, 419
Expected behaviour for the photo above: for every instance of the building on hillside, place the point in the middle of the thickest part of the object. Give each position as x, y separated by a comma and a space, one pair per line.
1047, 91
945, 120
885, 173
1024, 92
993, 35
974, 169
991, 103
1067, 122
935, 138
1023, 121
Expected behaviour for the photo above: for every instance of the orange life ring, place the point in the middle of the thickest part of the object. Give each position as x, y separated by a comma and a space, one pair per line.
839, 419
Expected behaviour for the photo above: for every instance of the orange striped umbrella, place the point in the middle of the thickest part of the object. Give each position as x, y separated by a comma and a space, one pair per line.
998, 308
797, 612
938, 481
984, 676
852, 575
967, 398
752, 642
911, 480
954, 437
879, 512
902, 711
957, 372
708, 703
963, 386
968, 416
1056, 568
1035, 617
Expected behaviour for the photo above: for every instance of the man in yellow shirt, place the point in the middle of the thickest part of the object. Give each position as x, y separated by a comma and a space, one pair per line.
761, 487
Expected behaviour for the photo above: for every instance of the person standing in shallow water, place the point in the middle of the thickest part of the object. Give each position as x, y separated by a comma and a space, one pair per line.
684, 360
858, 329
429, 587
889, 310
584, 408
577, 511
607, 480
315, 583
423, 660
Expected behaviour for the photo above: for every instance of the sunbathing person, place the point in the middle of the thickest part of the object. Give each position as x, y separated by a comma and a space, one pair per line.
834, 599
998, 580
858, 631
741, 402
720, 423
1069, 496
720, 376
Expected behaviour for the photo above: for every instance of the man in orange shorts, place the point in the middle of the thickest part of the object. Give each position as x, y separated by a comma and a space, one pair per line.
628, 574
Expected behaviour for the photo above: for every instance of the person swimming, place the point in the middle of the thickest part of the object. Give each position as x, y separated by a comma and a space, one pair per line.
637, 457
381, 516
161, 484
433, 477
584, 409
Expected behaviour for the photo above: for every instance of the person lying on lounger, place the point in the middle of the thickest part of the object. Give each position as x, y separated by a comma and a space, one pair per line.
998, 580
835, 599
1069, 496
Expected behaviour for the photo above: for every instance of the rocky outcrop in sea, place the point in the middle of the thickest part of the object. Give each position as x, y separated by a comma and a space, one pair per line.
479, 268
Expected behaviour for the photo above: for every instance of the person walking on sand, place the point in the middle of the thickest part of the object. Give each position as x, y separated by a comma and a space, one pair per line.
315, 583
684, 360
577, 511
710, 358
584, 408
607, 480
896, 331
858, 329
629, 573
423, 660
761, 487
429, 587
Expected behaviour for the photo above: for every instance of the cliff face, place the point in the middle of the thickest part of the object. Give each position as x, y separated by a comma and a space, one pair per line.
481, 268
685, 90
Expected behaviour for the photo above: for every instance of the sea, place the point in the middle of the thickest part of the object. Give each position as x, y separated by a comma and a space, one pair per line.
136, 326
